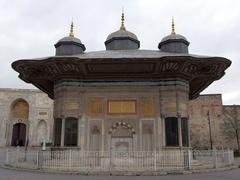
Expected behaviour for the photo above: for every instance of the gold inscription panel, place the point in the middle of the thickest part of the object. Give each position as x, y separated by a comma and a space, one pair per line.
122, 107
71, 106
147, 107
95, 106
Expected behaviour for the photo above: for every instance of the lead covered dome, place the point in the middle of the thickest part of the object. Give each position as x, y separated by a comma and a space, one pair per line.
122, 39
69, 45
174, 43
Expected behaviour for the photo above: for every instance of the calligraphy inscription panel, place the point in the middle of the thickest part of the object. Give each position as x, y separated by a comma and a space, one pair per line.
121, 107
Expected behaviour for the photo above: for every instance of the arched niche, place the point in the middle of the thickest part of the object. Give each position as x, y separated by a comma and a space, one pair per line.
122, 136
95, 138
41, 132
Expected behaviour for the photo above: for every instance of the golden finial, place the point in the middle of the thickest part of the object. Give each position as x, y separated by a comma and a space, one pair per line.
71, 34
173, 26
122, 22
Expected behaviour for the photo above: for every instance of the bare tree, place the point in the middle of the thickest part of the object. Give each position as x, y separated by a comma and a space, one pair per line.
232, 123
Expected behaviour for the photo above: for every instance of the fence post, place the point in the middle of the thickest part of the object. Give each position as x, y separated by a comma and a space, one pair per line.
155, 160
230, 157
110, 160
214, 151
189, 158
70, 159
18, 150
7, 157
38, 164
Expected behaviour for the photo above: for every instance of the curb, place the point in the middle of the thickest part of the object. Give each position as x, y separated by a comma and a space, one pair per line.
122, 173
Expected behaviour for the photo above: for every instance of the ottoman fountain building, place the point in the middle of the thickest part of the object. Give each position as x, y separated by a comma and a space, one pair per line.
122, 98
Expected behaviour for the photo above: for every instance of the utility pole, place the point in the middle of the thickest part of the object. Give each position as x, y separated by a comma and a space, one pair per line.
210, 131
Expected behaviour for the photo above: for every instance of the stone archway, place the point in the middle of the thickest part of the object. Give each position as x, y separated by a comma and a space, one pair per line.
19, 122
122, 137
19, 134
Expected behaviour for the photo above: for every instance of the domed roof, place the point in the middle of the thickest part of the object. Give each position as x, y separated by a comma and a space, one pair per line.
70, 39
174, 43
122, 33
69, 45
174, 36
122, 39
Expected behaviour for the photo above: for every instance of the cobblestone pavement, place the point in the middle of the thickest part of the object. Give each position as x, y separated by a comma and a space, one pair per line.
6, 174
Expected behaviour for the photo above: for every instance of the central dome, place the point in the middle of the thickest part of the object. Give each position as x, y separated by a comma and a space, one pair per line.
122, 39
122, 34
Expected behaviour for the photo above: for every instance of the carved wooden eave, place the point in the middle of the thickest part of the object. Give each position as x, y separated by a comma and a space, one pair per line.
198, 71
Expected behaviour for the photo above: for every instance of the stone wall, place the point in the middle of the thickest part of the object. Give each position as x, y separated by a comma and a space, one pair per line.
40, 116
207, 108
231, 124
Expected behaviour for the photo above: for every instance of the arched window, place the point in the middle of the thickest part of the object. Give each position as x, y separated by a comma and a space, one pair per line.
71, 131
171, 131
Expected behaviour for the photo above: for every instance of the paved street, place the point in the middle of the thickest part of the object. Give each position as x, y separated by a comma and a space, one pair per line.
22, 175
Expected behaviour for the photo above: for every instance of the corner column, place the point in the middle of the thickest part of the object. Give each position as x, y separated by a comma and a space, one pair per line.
179, 130
79, 132
63, 132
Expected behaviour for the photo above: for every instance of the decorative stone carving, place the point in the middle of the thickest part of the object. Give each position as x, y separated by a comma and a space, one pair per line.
95, 106
147, 106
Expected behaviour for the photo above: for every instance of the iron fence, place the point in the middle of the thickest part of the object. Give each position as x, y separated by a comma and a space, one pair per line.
108, 161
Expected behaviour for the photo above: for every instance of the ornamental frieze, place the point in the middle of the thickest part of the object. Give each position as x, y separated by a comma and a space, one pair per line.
198, 71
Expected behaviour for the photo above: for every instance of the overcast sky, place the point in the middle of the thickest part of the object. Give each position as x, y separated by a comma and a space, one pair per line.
30, 28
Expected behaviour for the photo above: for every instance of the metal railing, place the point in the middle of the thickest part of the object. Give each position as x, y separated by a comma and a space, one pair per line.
213, 158
109, 161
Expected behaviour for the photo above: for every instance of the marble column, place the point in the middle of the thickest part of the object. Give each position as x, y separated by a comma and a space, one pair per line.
79, 132
179, 130
63, 132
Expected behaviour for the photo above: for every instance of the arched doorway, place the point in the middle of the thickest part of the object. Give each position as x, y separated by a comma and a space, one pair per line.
19, 118
19, 134
122, 137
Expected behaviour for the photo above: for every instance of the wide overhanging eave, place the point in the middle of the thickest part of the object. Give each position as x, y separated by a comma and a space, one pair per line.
185, 67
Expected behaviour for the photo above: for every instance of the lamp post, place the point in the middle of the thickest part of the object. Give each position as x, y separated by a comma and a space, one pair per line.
210, 131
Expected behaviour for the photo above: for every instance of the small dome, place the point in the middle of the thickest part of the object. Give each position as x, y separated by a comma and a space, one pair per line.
122, 39
69, 45
174, 37
121, 34
174, 43
70, 39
